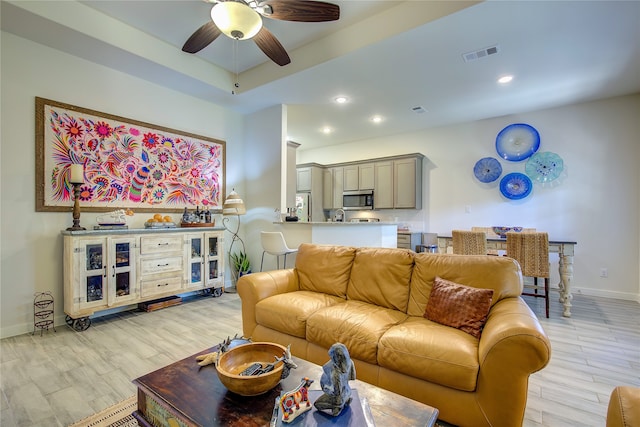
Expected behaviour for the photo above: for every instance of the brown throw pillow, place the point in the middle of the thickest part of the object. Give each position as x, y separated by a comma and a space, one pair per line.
459, 306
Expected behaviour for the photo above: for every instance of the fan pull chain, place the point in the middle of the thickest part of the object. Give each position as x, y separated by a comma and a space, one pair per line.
236, 84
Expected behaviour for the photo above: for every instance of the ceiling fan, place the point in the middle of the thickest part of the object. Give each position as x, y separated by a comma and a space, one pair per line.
242, 20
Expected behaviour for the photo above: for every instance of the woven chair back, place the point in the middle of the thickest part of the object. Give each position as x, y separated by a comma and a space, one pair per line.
469, 242
531, 250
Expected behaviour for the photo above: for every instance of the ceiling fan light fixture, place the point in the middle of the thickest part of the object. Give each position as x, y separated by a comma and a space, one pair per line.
236, 20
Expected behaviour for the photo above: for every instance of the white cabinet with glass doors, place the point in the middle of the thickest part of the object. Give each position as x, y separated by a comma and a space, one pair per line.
99, 272
205, 267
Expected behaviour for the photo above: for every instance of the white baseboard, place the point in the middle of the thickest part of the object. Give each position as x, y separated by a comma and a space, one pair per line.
628, 296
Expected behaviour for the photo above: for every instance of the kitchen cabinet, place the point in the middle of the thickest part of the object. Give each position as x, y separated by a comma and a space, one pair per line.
407, 183
108, 269
338, 186
409, 240
359, 177
383, 185
333, 180
303, 181
366, 176
396, 181
327, 189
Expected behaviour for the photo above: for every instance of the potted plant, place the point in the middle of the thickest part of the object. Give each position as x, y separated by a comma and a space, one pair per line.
241, 263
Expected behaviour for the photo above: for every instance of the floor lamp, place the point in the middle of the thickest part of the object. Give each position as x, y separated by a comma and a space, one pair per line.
233, 205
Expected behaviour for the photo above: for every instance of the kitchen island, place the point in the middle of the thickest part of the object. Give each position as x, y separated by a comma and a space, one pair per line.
359, 234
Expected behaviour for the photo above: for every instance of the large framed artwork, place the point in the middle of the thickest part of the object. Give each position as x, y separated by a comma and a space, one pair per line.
127, 164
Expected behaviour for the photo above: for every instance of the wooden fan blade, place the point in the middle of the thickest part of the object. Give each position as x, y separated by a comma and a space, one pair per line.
201, 38
270, 45
302, 11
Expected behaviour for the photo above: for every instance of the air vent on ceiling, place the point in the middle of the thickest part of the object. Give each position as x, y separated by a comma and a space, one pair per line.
418, 109
482, 53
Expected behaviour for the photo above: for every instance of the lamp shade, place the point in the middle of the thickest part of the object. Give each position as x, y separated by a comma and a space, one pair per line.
233, 205
236, 20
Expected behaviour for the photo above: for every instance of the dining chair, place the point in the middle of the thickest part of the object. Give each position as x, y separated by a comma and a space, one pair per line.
273, 243
490, 234
531, 250
467, 242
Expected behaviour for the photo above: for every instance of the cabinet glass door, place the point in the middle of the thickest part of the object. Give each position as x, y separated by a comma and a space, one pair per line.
122, 266
213, 269
196, 261
123, 278
213, 260
94, 274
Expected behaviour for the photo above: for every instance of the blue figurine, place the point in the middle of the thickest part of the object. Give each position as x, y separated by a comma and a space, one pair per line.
336, 374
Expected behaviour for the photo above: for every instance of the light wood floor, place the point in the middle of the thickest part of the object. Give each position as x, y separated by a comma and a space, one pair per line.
62, 377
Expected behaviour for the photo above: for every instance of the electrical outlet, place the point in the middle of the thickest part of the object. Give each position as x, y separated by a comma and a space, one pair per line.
467, 209
604, 272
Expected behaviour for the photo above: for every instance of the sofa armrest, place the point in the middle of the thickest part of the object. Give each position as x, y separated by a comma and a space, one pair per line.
513, 345
255, 287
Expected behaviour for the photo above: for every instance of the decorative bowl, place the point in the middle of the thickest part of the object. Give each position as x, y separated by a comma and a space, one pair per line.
502, 230
231, 363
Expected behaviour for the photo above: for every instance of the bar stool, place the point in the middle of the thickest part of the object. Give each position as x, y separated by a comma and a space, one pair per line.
273, 243
531, 250
469, 242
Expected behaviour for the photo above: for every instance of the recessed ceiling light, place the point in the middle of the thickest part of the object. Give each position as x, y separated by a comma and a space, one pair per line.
505, 79
376, 119
327, 130
341, 99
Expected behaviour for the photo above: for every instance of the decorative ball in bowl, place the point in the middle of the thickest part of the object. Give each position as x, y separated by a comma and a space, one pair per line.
502, 230
233, 362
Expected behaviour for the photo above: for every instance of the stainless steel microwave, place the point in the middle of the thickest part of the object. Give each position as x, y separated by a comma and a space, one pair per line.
357, 200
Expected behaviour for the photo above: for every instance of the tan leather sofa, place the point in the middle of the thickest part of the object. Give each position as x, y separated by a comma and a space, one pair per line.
373, 301
624, 407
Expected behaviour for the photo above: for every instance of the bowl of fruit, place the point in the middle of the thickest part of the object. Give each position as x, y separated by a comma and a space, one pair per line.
159, 221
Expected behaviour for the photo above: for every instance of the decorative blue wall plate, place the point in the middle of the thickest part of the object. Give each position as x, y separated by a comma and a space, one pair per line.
515, 186
487, 169
544, 167
517, 142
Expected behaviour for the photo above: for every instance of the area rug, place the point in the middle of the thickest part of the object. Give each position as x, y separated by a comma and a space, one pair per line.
118, 415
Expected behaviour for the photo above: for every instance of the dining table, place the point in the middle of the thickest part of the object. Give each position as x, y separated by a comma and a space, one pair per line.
564, 249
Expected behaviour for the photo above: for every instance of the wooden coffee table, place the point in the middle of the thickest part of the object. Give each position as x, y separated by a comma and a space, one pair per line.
184, 394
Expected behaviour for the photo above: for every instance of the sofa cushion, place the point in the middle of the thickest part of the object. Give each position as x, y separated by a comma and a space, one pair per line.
288, 312
501, 274
461, 307
381, 276
324, 268
427, 350
356, 324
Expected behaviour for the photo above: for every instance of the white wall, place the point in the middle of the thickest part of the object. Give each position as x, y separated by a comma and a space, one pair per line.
597, 204
264, 165
31, 245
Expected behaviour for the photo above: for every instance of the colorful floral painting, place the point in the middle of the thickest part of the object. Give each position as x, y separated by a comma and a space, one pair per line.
127, 164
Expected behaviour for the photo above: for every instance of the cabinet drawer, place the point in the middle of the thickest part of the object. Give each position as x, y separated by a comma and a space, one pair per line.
404, 239
160, 286
150, 245
160, 265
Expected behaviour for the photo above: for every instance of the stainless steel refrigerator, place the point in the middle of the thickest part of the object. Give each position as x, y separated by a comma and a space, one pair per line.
303, 207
